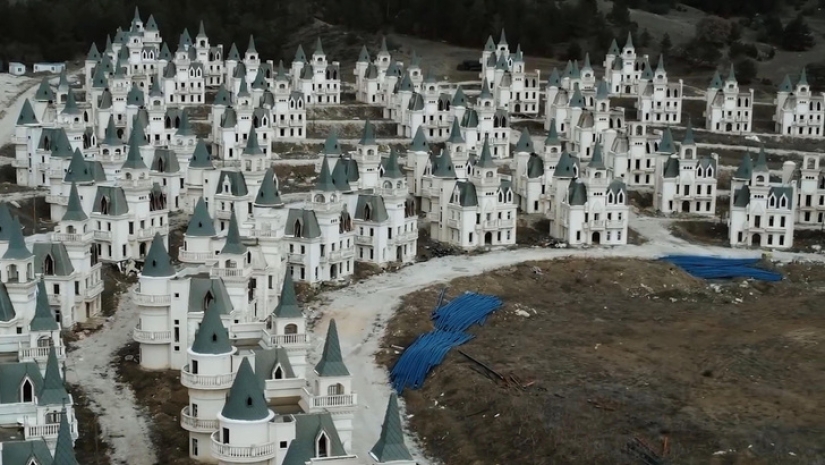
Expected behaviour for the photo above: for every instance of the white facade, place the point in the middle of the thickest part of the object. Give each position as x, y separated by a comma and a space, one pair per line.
811, 190
728, 110
686, 182
659, 101
799, 112
53, 68
17, 69
624, 69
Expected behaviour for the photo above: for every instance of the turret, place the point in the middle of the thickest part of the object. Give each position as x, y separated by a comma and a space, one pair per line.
152, 295
390, 448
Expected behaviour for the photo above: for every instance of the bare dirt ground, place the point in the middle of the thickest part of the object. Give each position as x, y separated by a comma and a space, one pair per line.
90, 448
623, 349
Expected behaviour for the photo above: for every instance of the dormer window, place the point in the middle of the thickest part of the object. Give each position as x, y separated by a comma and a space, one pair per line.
322, 445
620, 198
278, 372
610, 197
27, 391
772, 201
783, 202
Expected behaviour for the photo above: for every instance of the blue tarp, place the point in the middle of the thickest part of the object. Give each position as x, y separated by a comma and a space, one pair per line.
707, 267
429, 350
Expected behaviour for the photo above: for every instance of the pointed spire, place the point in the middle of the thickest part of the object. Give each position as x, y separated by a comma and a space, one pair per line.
251, 47
629, 43
331, 145
300, 56
554, 80
136, 18
243, 90
485, 90
200, 224
552, 134
419, 142
74, 211
110, 135
332, 362
268, 194
108, 48
184, 128
689, 137
666, 144
602, 92
486, 158
786, 85
26, 114
43, 319
201, 30
525, 142
233, 53
614, 48
17, 244
803, 78
157, 263
94, 53
390, 446
384, 44
319, 48
731, 74
716, 82
490, 45
151, 25
200, 156
502, 40
455, 133
577, 101
134, 160
165, 53
252, 146
660, 67
340, 176
288, 306
415, 60
761, 161
61, 147
391, 168
587, 61
324, 182
64, 450
212, 338
745, 168
44, 92
597, 161
364, 55
368, 134
246, 401
233, 243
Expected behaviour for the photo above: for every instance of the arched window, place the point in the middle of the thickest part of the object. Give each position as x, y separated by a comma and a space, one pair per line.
48, 265
336, 389
299, 227
322, 445
278, 373
620, 198
367, 213
319, 198
27, 391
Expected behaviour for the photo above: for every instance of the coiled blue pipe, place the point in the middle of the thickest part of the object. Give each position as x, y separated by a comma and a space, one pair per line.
721, 268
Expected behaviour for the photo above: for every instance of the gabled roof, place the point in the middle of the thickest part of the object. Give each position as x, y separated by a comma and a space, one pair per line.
246, 401
157, 263
307, 220
745, 168
288, 306
268, 194
24, 452
267, 360
419, 142
200, 156
308, 429
212, 338
237, 183
332, 362
43, 319
115, 198
233, 244
467, 196
13, 375
390, 446
372, 204
525, 142
166, 160
17, 244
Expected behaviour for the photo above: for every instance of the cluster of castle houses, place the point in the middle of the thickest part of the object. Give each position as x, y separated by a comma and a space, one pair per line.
120, 160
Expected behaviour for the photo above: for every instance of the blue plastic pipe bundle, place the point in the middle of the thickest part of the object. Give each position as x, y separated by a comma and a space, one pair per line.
721, 268
429, 350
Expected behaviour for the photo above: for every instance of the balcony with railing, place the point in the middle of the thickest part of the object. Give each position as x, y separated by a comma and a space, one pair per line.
196, 381
103, 235
197, 425
18, 140
287, 340
265, 233
72, 238
342, 254
223, 214
241, 454
364, 240
336, 401
135, 183
39, 354
56, 173
196, 257
295, 258
231, 274
58, 199
152, 300
47, 431
151, 337
407, 236
452, 223
148, 233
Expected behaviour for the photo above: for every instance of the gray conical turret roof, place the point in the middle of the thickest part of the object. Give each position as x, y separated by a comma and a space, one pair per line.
134, 160
43, 319
110, 136
222, 97
200, 156
319, 48
243, 89
250, 48
786, 85
300, 56
629, 43
157, 263
552, 135
288, 302
233, 244
486, 158
597, 161
268, 194
660, 67
443, 165
391, 168
26, 114
525, 142
716, 82
332, 362
689, 139
63, 80
419, 142
565, 168
666, 144
731, 74
554, 80
44, 92
138, 135
17, 244
135, 96
485, 90
364, 55
74, 211
6, 223
368, 134
340, 176
64, 450
490, 45
331, 145
246, 401
602, 92
384, 44
745, 168
324, 182
200, 224
53, 391
577, 101
151, 24
94, 53
233, 53
614, 48
761, 162
252, 146
803, 78
502, 40
390, 446
212, 338
455, 133
459, 98
184, 128
61, 146
201, 30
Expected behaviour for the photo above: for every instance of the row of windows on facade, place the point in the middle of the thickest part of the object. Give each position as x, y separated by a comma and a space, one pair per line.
336, 269
756, 238
488, 236
341, 245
